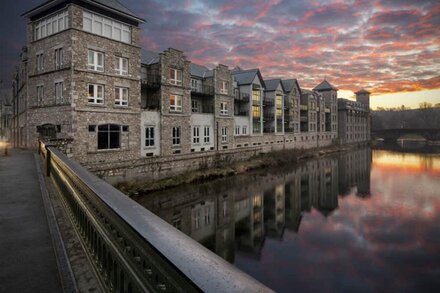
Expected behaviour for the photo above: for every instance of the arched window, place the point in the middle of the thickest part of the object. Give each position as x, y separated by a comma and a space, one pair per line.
48, 131
109, 136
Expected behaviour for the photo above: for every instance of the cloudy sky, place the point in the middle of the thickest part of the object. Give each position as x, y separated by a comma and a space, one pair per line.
391, 47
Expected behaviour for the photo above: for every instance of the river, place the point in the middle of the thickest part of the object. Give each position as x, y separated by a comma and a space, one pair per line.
362, 221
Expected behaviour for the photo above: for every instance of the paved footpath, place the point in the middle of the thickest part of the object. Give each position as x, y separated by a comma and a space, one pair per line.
27, 258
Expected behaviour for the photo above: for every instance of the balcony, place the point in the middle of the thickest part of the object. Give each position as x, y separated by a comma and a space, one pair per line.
268, 102
327, 110
203, 90
242, 97
151, 80
256, 102
304, 119
303, 107
242, 113
268, 116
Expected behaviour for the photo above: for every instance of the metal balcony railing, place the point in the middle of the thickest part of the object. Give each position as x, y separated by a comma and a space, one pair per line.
268, 102
132, 249
203, 90
242, 97
152, 80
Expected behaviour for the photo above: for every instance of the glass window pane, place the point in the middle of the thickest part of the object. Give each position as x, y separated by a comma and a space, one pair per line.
102, 139
91, 90
114, 140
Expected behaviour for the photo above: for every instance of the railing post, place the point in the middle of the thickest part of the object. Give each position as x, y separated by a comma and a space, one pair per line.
48, 155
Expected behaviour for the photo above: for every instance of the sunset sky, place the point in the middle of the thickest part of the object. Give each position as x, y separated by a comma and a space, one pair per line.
391, 47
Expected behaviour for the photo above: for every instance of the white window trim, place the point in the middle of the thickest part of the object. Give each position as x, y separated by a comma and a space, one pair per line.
224, 109
224, 87
123, 99
194, 109
149, 138
177, 137
94, 64
176, 107
98, 24
40, 94
119, 68
224, 134
196, 135
244, 130
175, 80
207, 134
40, 62
59, 58
52, 24
95, 100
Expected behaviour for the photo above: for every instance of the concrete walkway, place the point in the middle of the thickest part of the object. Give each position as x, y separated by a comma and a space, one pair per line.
27, 258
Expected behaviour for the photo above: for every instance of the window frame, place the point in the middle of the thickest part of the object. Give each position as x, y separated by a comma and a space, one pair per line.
224, 133
95, 100
119, 68
176, 136
176, 107
109, 131
149, 136
40, 95
39, 62
174, 77
224, 89
196, 108
207, 134
224, 109
196, 134
59, 92
122, 101
95, 66
59, 58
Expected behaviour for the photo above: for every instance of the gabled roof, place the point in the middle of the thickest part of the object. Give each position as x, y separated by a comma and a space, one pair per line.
325, 86
110, 5
149, 57
245, 77
271, 85
288, 84
362, 91
200, 70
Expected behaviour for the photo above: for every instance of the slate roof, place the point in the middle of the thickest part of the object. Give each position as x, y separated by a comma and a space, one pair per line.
149, 57
271, 85
116, 5
362, 91
244, 77
324, 86
288, 84
200, 70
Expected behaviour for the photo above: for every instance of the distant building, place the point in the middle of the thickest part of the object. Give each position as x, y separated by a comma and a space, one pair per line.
5, 113
354, 118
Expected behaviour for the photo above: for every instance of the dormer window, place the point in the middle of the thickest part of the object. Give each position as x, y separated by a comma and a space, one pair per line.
175, 76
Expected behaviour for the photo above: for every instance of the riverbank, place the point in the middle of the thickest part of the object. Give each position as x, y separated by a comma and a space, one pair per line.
267, 160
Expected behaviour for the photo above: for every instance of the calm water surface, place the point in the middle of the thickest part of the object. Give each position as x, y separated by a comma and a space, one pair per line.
362, 221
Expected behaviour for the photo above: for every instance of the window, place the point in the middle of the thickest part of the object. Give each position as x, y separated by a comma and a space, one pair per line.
223, 108
237, 130
196, 134
40, 62
149, 136
96, 94
206, 136
95, 61
121, 66
176, 136
121, 96
40, 94
207, 215
194, 84
109, 136
224, 87
175, 76
244, 130
59, 58
194, 106
59, 88
51, 25
224, 134
175, 103
106, 27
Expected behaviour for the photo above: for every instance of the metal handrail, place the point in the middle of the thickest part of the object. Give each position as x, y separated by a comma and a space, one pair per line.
132, 249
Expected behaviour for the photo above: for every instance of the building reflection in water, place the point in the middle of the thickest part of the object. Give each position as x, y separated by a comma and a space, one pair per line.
239, 213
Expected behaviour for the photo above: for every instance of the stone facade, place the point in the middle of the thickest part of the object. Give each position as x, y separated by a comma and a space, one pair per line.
83, 78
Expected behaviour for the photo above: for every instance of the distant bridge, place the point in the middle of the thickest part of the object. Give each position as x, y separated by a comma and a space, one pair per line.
394, 134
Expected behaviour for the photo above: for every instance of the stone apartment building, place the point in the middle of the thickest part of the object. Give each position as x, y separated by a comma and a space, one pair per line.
84, 80
354, 118
79, 79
